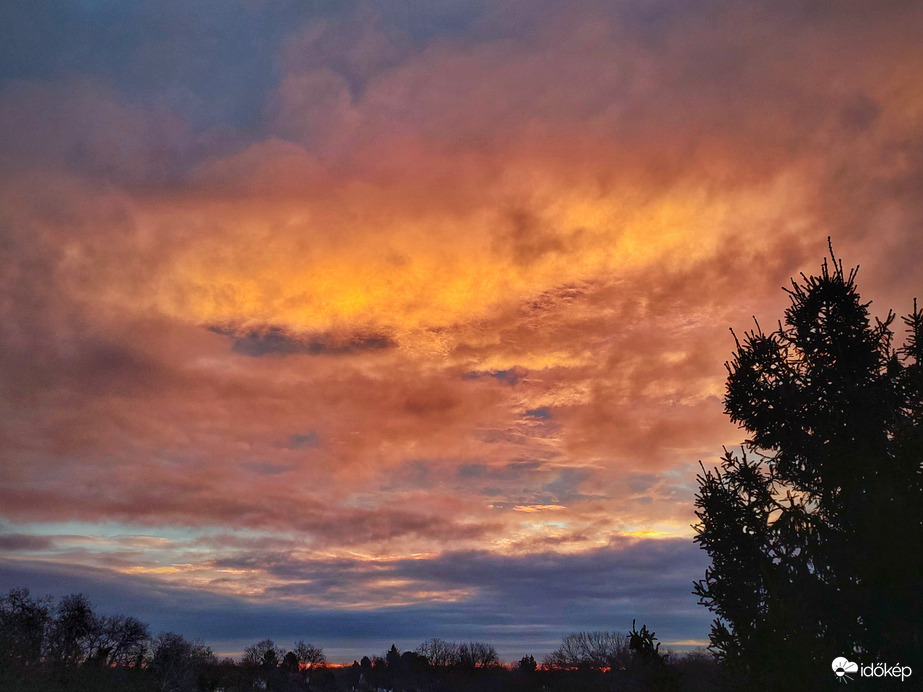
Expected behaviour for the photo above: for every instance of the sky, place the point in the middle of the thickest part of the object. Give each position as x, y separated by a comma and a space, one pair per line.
362, 323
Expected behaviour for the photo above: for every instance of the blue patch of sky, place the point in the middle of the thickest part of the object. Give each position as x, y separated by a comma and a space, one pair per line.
422, 21
681, 481
510, 376
106, 529
213, 63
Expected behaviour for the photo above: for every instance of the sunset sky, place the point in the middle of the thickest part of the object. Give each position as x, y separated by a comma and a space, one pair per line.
370, 322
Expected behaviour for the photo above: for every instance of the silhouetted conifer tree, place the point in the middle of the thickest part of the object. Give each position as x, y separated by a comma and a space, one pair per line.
814, 530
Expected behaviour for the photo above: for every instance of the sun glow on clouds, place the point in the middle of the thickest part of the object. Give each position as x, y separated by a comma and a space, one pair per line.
424, 294
308, 269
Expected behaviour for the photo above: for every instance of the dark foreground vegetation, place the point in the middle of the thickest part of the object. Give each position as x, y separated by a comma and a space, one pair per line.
50, 647
815, 530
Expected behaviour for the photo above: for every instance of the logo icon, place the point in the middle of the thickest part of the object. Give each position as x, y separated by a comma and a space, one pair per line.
842, 668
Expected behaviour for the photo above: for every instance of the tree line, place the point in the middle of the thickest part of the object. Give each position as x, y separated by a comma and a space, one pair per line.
65, 645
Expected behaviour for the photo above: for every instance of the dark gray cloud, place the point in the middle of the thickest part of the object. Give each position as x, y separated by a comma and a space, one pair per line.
519, 470
510, 376
266, 468
24, 542
276, 341
309, 440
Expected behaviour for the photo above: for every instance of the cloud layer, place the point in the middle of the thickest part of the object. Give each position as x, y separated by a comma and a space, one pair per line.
424, 296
